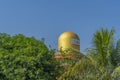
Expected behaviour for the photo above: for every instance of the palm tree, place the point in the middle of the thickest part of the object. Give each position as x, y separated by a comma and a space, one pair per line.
103, 45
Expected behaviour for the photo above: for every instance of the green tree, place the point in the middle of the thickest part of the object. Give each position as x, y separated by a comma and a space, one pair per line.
25, 58
103, 45
116, 54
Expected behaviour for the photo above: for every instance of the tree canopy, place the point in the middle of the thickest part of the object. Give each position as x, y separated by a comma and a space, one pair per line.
25, 58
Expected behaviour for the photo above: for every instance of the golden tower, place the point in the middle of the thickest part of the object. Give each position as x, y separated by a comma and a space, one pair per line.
69, 40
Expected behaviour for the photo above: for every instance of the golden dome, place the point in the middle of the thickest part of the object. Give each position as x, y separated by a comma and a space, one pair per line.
68, 40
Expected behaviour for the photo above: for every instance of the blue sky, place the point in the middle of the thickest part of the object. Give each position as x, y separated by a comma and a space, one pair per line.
49, 18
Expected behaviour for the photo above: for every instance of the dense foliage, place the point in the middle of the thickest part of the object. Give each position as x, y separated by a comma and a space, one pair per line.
25, 58
116, 54
98, 63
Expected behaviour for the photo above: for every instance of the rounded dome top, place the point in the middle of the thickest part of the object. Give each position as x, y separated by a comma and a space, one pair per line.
68, 34
68, 40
